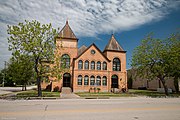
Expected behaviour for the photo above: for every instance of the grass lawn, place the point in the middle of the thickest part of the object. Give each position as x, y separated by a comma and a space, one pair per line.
150, 93
130, 93
103, 94
34, 93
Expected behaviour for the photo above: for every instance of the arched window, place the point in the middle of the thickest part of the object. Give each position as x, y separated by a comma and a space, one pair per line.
80, 64
79, 80
65, 61
92, 65
86, 66
104, 81
66, 80
114, 81
92, 80
98, 80
86, 80
104, 66
116, 64
98, 65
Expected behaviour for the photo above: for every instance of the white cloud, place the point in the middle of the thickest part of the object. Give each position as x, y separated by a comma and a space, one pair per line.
87, 17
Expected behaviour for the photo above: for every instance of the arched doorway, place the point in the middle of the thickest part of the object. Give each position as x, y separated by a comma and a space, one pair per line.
66, 80
114, 81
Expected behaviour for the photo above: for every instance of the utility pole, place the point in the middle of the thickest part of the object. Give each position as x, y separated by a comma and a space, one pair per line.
4, 72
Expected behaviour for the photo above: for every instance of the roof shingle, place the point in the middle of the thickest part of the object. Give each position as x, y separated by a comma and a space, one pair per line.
81, 49
67, 32
113, 45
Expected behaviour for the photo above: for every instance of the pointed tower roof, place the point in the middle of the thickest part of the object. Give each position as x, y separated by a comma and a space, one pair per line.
67, 32
113, 45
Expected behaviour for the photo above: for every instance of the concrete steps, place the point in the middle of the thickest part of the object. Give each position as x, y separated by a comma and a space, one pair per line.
66, 90
66, 93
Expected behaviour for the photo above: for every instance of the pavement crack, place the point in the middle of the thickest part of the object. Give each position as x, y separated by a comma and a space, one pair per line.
136, 117
46, 108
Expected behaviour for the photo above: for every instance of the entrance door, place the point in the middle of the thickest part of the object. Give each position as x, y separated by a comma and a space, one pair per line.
66, 80
114, 81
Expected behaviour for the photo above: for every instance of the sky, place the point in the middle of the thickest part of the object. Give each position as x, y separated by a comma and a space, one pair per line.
93, 21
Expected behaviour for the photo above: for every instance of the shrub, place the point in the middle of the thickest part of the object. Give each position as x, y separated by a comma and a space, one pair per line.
56, 89
98, 89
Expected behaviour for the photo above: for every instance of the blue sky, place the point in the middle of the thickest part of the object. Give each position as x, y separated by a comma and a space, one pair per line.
93, 21
132, 38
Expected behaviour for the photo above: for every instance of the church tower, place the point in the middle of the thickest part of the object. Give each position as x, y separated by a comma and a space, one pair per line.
68, 41
114, 52
67, 49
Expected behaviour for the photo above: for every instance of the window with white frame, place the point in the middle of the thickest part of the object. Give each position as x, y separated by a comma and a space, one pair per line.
80, 64
104, 66
92, 65
86, 80
80, 80
92, 80
98, 65
98, 80
65, 61
116, 64
104, 81
86, 66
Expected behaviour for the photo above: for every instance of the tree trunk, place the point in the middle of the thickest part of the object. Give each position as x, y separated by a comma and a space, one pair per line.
39, 86
38, 78
176, 84
159, 81
164, 85
25, 87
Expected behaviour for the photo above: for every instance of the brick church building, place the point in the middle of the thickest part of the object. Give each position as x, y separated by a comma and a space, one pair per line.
87, 68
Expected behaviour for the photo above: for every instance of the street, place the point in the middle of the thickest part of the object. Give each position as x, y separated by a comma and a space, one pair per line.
133, 108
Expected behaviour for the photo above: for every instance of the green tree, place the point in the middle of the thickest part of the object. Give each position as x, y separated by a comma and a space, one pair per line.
130, 82
57, 68
32, 38
173, 58
21, 70
153, 58
1, 77
7, 77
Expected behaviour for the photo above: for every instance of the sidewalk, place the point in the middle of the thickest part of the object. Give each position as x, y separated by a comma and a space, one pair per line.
8, 90
5, 92
69, 96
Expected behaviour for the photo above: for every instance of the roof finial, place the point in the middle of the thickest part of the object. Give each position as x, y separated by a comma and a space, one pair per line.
67, 21
112, 32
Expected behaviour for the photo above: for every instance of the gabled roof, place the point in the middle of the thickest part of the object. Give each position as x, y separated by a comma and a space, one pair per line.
113, 45
67, 32
97, 50
81, 49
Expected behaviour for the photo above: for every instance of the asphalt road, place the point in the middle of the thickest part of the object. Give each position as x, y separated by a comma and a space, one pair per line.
138, 108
